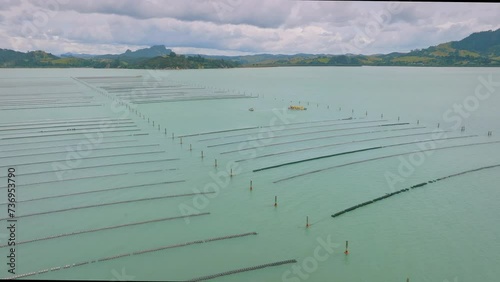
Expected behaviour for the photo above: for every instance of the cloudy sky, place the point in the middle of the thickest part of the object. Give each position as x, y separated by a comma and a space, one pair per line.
234, 27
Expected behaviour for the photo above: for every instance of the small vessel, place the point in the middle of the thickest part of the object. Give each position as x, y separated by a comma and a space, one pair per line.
297, 108
251, 109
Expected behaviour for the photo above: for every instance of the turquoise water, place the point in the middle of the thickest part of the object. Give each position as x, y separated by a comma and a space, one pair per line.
447, 230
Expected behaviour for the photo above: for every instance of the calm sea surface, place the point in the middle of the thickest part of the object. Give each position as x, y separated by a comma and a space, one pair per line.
65, 134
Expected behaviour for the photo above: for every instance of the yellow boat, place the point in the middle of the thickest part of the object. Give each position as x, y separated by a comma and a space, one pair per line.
297, 108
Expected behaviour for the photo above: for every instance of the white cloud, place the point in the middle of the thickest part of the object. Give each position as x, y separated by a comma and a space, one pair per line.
237, 26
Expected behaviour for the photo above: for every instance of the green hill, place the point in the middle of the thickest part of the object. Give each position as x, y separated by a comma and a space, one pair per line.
477, 50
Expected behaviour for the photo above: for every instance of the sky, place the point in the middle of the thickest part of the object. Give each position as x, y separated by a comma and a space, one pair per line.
238, 27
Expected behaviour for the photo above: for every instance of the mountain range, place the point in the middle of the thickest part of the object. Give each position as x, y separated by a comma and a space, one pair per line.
478, 49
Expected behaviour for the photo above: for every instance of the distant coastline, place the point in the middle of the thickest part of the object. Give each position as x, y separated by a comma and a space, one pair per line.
481, 49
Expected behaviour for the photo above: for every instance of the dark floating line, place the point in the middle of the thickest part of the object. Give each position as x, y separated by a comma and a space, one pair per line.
100, 176
289, 129
305, 133
337, 144
94, 166
383, 157
67, 134
59, 121
93, 149
408, 189
72, 139
75, 130
68, 145
106, 228
89, 158
107, 77
193, 98
134, 253
220, 131
110, 204
357, 151
209, 277
98, 191
65, 106
319, 138
66, 125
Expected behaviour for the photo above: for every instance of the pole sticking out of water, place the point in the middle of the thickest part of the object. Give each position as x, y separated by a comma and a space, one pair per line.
251, 185
307, 222
346, 247
231, 173
398, 118
275, 201
382, 116
153, 123
462, 129
215, 163
158, 127
165, 131
418, 121
202, 154
190, 147
439, 124
366, 113
172, 136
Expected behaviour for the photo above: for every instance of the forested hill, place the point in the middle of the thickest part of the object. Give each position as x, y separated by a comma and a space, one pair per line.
478, 49
156, 57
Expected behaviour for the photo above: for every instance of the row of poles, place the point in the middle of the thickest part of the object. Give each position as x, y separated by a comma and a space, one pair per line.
346, 252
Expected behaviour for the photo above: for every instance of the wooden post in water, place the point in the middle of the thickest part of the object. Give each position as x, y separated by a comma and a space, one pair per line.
215, 163
153, 123
346, 247
382, 116
438, 124
181, 140
202, 154
398, 118
307, 222
366, 114
190, 147
275, 201
251, 185
418, 121
231, 173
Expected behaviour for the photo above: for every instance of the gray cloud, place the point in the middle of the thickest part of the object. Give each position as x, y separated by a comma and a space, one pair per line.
272, 26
